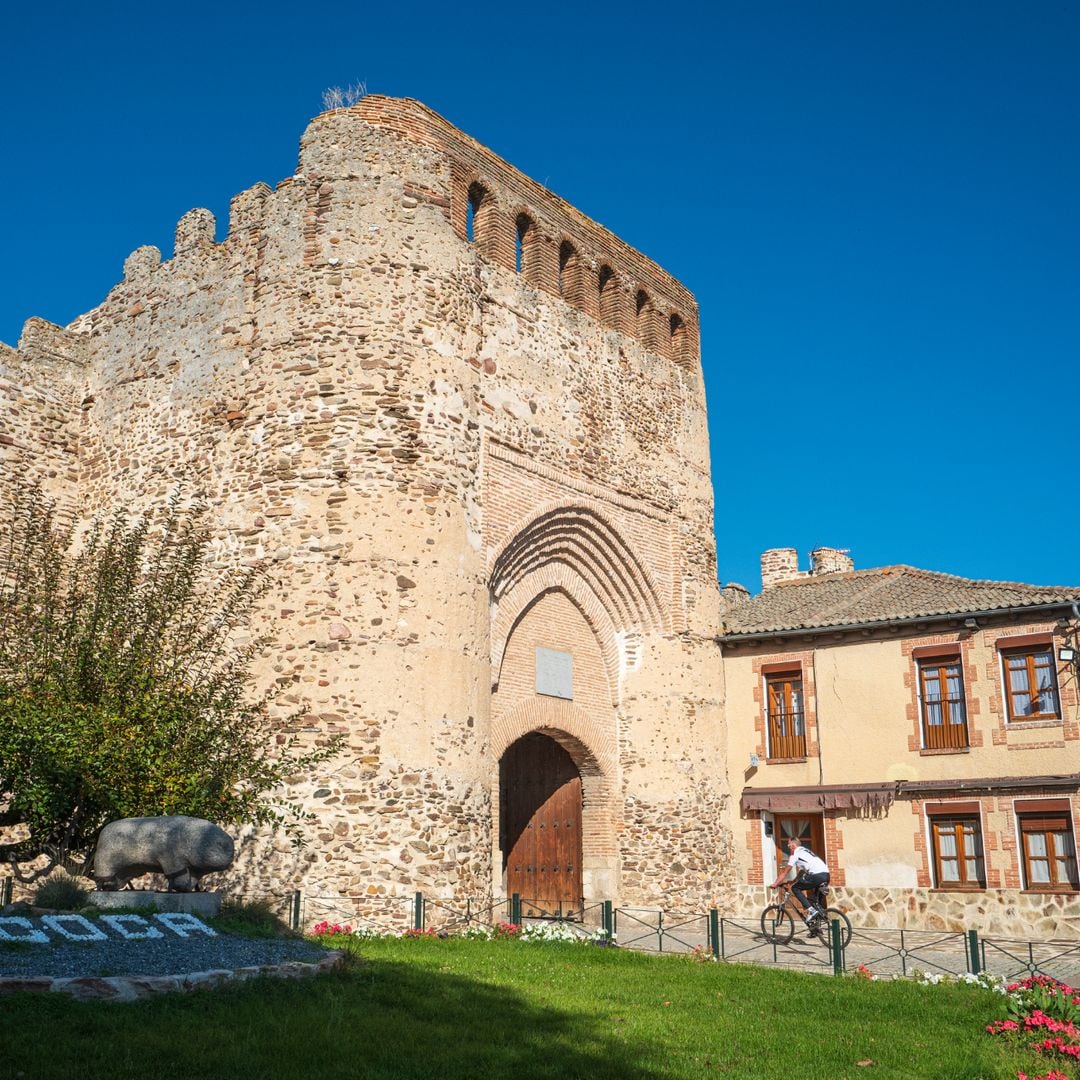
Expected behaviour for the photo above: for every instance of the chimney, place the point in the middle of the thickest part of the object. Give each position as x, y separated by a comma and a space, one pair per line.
826, 560
777, 565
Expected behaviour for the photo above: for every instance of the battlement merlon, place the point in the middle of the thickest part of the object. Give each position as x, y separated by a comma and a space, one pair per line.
50, 349
332, 148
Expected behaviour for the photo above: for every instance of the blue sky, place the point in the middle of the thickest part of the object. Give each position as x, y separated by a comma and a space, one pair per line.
875, 204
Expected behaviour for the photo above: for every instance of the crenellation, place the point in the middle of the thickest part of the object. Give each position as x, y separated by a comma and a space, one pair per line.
247, 210
141, 263
378, 411
194, 231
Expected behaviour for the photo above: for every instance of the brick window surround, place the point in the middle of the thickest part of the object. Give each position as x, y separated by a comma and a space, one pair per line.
785, 715
922, 655
802, 664
1047, 845
1029, 674
956, 845
942, 702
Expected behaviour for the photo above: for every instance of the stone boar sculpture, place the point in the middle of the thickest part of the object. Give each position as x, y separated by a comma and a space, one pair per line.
181, 848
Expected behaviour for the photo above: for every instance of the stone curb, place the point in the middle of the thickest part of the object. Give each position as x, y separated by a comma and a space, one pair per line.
139, 987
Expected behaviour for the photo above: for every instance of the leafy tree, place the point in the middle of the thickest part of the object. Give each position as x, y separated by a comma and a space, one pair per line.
124, 688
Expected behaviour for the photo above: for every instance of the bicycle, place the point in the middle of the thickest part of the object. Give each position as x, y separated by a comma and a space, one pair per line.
778, 920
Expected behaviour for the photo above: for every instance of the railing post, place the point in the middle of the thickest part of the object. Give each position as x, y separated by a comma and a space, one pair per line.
6, 887
294, 910
714, 932
837, 948
973, 951
515, 908
418, 911
609, 924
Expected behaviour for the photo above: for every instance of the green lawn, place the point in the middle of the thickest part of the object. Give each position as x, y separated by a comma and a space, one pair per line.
444, 1009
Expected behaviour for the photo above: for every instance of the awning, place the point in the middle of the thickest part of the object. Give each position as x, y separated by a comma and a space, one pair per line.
810, 799
795, 800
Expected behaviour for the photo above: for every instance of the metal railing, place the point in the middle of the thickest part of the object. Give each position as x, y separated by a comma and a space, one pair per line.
897, 953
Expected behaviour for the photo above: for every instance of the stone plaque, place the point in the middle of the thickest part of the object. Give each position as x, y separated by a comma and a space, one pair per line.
554, 673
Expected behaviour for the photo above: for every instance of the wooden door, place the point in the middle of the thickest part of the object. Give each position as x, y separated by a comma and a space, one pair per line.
808, 829
540, 833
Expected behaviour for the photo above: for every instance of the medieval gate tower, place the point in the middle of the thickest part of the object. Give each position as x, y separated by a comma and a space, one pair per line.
465, 425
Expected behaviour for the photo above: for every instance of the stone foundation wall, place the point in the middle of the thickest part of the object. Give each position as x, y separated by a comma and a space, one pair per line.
1006, 913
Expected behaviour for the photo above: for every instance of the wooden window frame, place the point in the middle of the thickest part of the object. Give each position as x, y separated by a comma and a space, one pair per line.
956, 820
1029, 652
1031, 821
949, 737
785, 747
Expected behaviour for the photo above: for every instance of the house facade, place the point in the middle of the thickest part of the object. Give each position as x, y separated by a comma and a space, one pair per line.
920, 730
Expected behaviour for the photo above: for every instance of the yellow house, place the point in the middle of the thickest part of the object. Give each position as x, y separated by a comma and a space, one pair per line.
920, 731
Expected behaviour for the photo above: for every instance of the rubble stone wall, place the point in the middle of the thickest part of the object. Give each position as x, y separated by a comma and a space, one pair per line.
398, 420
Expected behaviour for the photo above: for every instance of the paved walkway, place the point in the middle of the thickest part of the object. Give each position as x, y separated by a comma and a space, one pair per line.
895, 953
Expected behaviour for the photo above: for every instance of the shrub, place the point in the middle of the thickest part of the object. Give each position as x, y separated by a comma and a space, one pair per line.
62, 892
250, 918
125, 684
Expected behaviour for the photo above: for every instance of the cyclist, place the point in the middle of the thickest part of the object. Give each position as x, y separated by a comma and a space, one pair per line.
811, 873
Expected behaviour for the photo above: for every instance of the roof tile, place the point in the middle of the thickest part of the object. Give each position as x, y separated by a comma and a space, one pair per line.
884, 594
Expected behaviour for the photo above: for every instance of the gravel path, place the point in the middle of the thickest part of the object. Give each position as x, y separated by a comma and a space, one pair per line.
167, 955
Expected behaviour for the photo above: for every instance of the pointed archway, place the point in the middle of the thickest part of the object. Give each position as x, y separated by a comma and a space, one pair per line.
540, 836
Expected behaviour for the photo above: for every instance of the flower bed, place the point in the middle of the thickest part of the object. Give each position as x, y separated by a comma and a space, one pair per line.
532, 932
1045, 1014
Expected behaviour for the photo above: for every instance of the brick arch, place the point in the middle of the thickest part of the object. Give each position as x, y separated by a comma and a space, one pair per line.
589, 743
528, 238
592, 747
581, 538
521, 599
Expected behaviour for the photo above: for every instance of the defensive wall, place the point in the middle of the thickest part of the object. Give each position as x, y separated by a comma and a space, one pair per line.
461, 422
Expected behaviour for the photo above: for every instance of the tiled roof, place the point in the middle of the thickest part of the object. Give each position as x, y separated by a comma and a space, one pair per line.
881, 595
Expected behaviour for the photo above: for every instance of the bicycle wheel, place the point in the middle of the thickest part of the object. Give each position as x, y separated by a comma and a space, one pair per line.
776, 924
845, 927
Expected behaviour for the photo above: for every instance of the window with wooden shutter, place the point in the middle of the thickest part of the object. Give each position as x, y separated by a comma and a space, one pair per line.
1031, 683
941, 701
1048, 851
786, 715
958, 853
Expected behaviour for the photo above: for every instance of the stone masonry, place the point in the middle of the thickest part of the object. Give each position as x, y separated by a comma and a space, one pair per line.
460, 421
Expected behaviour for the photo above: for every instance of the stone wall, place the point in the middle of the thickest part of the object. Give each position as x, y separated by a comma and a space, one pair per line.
1006, 913
397, 421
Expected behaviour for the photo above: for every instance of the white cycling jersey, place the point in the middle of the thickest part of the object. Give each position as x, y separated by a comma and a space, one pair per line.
804, 859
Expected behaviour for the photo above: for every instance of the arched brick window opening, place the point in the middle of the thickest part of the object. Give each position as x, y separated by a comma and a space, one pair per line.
569, 273
476, 223
608, 290
525, 248
680, 342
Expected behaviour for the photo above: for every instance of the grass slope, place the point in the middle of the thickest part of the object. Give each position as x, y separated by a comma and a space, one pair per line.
447, 1009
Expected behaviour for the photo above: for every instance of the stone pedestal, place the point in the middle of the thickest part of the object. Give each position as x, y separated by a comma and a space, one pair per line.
194, 903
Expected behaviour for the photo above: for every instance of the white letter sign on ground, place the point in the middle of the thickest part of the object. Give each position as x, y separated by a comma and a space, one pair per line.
131, 927
36, 936
90, 931
180, 922
80, 929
